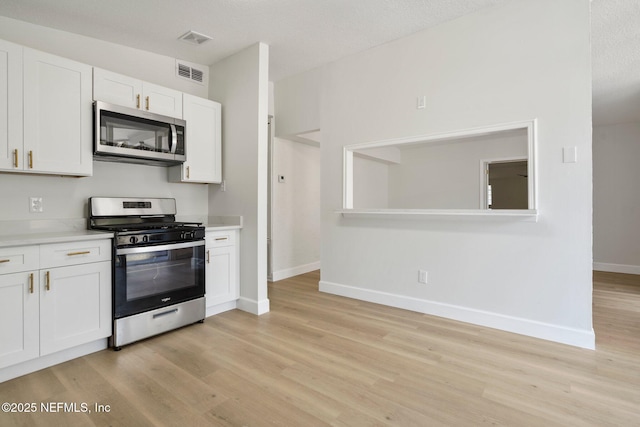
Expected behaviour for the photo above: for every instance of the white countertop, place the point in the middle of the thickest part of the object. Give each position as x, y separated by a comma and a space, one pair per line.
20, 233
43, 237
220, 227
216, 223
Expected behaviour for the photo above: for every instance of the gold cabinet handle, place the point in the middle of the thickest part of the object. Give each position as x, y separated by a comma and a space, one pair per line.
47, 281
78, 253
147, 102
30, 159
2, 261
221, 238
31, 283
187, 172
138, 101
208, 257
15, 157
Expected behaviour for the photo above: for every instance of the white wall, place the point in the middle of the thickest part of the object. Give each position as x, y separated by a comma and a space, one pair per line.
296, 209
241, 84
295, 113
151, 67
370, 183
517, 61
66, 198
616, 199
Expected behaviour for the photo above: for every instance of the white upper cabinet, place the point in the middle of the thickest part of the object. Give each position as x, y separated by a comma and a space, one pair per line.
162, 100
45, 113
133, 93
10, 106
117, 89
203, 142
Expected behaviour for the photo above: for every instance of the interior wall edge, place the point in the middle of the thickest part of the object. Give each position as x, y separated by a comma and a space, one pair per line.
294, 271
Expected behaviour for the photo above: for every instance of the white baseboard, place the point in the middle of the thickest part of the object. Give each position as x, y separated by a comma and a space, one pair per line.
616, 268
253, 306
294, 271
39, 363
547, 331
221, 308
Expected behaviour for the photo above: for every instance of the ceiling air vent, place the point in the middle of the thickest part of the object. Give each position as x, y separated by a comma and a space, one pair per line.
194, 38
189, 72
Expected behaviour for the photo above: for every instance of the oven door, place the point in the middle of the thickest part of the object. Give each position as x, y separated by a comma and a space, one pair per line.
150, 277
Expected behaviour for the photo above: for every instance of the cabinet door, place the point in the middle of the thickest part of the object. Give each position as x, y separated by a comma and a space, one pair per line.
116, 89
221, 277
57, 115
75, 305
18, 317
203, 141
10, 106
162, 100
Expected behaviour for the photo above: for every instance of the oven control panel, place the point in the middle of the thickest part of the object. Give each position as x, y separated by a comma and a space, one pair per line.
141, 238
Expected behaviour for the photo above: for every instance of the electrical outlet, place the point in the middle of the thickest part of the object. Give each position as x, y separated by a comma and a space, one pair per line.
35, 204
422, 276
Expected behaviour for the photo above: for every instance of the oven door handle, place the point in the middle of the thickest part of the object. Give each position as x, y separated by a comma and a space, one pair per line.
155, 248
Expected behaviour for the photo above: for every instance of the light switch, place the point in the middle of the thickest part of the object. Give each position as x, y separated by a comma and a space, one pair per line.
570, 154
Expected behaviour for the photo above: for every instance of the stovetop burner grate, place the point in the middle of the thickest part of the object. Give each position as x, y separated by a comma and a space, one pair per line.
148, 226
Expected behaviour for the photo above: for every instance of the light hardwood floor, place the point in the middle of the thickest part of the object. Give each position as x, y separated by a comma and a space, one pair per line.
319, 359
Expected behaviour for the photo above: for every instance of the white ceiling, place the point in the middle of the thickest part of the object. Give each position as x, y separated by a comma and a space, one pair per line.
303, 34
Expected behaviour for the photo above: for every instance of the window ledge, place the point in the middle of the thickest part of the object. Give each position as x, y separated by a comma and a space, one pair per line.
530, 215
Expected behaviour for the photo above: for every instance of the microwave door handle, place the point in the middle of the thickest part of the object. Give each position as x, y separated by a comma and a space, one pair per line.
174, 139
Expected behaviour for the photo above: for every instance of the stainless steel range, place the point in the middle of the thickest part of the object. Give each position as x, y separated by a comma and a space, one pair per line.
158, 266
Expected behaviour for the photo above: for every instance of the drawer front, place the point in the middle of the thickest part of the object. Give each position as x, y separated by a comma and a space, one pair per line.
18, 258
63, 254
220, 238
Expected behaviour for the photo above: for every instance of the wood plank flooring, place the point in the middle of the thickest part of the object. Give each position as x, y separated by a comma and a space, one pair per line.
319, 359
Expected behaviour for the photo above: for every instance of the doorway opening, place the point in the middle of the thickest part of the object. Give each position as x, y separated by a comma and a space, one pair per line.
505, 184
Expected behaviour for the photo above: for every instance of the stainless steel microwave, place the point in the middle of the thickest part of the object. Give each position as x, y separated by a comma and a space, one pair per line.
128, 135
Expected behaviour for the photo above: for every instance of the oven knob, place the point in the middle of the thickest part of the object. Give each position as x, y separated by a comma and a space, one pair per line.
133, 240
145, 239
192, 234
183, 235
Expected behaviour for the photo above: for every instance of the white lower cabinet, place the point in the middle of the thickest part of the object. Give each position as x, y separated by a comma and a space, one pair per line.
222, 270
18, 317
75, 308
59, 298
